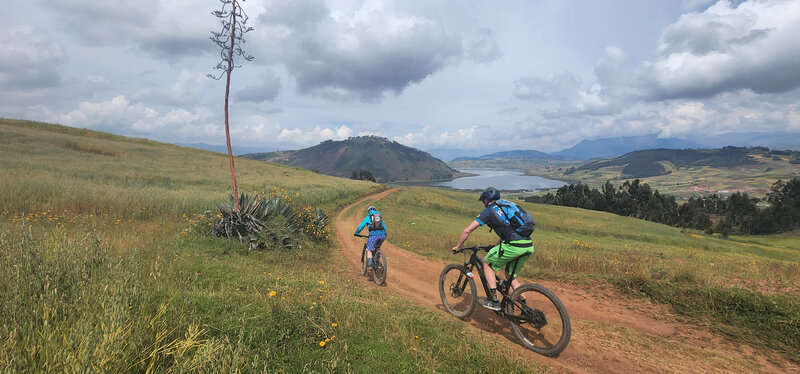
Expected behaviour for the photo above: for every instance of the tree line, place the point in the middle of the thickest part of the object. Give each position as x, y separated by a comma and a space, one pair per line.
364, 175
737, 214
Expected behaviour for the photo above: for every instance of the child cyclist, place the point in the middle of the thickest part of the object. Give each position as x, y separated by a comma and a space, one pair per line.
377, 231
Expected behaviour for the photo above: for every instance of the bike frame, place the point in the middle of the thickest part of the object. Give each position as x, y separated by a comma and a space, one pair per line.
477, 262
377, 247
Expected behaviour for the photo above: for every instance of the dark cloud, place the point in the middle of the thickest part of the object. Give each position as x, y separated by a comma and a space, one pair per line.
266, 90
161, 30
29, 59
364, 53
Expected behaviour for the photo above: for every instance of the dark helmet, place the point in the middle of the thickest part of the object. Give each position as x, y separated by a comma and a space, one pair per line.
371, 208
491, 194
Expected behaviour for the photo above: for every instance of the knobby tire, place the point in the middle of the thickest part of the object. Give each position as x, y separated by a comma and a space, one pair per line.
457, 291
364, 260
379, 274
551, 339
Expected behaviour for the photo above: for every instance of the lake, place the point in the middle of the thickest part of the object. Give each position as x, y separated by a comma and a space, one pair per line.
502, 179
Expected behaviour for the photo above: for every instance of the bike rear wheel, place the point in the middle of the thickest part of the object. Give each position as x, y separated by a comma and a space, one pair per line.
364, 260
379, 272
457, 291
543, 324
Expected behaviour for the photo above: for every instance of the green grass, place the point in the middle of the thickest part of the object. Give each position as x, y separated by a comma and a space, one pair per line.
768, 320
104, 268
748, 290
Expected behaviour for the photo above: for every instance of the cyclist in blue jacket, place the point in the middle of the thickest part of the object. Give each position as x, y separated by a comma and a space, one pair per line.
377, 231
509, 254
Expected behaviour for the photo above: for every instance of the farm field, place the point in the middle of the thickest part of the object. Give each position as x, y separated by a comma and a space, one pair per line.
682, 182
106, 268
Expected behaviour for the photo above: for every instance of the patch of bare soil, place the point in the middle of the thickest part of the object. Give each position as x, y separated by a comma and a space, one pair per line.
610, 333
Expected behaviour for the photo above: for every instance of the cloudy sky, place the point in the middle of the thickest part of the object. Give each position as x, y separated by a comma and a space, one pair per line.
478, 75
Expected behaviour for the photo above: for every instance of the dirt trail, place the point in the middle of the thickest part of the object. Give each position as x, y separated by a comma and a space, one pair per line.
611, 333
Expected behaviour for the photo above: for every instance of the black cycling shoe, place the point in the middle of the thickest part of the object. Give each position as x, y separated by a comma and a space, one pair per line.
489, 304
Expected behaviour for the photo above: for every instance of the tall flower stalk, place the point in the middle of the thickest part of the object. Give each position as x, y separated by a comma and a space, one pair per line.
230, 40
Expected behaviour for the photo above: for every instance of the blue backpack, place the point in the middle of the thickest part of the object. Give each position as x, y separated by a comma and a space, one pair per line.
514, 216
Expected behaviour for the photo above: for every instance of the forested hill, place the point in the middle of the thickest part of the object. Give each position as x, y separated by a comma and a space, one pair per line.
385, 160
647, 163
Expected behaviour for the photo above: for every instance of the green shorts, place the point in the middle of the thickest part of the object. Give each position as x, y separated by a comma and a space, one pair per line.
510, 256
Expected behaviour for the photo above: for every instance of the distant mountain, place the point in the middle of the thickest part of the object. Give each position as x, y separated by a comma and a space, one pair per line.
527, 154
387, 161
447, 154
612, 147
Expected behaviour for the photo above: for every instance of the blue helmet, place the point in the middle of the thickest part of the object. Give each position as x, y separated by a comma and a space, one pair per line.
491, 194
371, 208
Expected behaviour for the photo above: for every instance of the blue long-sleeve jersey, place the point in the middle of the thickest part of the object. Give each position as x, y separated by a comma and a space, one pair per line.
366, 221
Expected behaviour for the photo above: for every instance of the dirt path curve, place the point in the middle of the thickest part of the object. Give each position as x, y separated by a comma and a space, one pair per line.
611, 333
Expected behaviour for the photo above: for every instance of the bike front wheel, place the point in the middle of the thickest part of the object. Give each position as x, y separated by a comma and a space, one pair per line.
457, 291
541, 322
379, 272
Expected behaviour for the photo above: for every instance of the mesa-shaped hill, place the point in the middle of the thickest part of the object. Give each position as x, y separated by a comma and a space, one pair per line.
387, 161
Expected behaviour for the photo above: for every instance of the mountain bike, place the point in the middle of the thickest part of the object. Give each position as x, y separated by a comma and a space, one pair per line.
537, 316
378, 261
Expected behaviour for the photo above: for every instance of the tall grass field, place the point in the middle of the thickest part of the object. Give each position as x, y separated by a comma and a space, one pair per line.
106, 267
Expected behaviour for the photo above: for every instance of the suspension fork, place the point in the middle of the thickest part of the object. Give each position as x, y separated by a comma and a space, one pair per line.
463, 278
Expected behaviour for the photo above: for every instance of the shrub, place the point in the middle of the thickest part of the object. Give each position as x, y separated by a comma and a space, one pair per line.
270, 222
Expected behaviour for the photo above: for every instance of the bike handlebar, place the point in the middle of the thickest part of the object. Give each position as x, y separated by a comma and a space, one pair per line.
361, 236
475, 248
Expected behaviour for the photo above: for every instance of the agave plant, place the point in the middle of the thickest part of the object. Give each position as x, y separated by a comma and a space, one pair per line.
263, 223
244, 224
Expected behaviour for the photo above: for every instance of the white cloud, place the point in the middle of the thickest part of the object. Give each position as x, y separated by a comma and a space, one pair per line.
113, 115
303, 138
188, 88
433, 137
725, 48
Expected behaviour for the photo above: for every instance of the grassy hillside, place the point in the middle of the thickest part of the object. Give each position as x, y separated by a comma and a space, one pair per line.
104, 269
388, 161
747, 288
